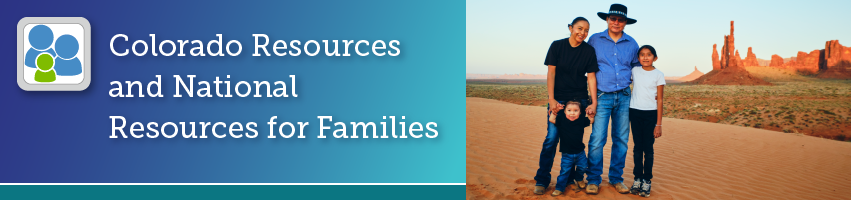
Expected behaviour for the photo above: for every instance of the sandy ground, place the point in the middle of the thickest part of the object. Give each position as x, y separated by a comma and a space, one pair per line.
694, 160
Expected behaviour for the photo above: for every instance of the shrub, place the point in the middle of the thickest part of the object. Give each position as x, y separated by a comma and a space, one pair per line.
790, 117
826, 112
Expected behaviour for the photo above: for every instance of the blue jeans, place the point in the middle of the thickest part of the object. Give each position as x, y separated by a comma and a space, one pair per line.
616, 106
568, 161
548, 151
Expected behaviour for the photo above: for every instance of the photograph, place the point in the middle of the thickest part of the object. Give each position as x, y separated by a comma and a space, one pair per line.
626, 100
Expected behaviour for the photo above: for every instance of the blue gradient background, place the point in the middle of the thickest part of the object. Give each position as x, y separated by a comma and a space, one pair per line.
71, 143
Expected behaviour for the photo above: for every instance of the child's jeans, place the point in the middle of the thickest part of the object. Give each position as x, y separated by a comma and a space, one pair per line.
567, 162
643, 125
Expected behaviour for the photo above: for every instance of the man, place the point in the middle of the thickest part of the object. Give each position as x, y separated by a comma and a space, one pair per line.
616, 55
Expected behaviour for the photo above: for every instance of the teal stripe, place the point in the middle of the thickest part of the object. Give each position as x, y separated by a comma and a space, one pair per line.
408, 192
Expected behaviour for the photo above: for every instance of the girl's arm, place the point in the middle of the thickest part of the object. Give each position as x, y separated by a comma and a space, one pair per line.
551, 82
660, 94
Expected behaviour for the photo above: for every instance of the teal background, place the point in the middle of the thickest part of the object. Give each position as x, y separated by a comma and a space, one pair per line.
408, 192
63, 137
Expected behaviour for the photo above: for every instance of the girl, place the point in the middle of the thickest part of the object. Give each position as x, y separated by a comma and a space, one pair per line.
645, 114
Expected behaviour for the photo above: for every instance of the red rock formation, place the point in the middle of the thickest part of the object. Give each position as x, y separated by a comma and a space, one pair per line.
694, 75
792, 64
738, 59
750, 60
724, 53
836, 61
732, 71
834, 53
805, 63
731, 47
716, 64
776, 61
728, 51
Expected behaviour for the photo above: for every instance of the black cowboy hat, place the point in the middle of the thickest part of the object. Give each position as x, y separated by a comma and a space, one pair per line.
617, 10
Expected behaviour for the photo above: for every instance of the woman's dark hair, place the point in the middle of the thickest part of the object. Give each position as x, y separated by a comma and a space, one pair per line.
652, 50
577, 19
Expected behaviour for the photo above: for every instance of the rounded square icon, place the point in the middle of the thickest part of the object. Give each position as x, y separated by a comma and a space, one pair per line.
54, 53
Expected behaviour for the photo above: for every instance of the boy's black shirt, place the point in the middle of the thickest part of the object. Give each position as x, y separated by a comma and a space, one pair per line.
570, 133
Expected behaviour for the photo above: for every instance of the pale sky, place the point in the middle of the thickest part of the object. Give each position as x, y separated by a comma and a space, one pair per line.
513, 36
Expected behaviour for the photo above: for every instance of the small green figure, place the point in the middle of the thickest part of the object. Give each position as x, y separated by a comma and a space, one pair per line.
45, 73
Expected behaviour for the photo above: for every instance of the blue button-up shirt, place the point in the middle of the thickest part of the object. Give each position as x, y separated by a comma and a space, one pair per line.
615, 60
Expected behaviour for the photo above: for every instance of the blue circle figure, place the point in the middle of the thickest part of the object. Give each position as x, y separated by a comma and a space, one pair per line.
67, 63
66, 46
41, 37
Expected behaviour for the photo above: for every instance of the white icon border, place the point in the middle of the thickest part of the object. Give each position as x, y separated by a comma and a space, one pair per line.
87, 72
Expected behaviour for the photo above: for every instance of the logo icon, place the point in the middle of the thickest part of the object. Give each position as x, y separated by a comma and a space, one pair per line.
54, 53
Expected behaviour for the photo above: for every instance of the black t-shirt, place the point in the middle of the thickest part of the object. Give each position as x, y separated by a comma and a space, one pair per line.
570, 133
571, 65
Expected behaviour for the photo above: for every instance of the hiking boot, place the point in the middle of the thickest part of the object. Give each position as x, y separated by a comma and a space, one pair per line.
592, 189
557, 192
645, 189
621, 188
581, 184
539, 190
636, 187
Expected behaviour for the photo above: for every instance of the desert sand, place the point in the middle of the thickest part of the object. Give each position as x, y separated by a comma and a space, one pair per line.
694, 160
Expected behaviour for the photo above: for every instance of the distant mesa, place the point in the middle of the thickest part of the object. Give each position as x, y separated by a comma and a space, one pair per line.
694, 75
776, 61
730, 70
763, 62
834, 61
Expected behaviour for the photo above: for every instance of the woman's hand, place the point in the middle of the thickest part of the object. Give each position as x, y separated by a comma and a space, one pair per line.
657, 132
555, 106
591, 110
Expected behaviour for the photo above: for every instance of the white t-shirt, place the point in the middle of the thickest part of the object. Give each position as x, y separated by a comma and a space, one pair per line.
644, 88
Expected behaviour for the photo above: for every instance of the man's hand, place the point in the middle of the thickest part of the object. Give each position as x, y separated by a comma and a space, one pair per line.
591, 110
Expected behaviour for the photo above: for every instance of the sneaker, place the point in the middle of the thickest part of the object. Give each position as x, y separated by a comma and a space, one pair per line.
636, 187
645, 189
557, 192
581, 184
539, 190
592, 189
621, 188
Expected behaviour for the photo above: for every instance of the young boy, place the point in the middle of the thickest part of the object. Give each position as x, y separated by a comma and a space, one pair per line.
571, 126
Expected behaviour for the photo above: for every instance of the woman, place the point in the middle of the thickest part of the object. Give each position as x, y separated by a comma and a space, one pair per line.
568, 60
